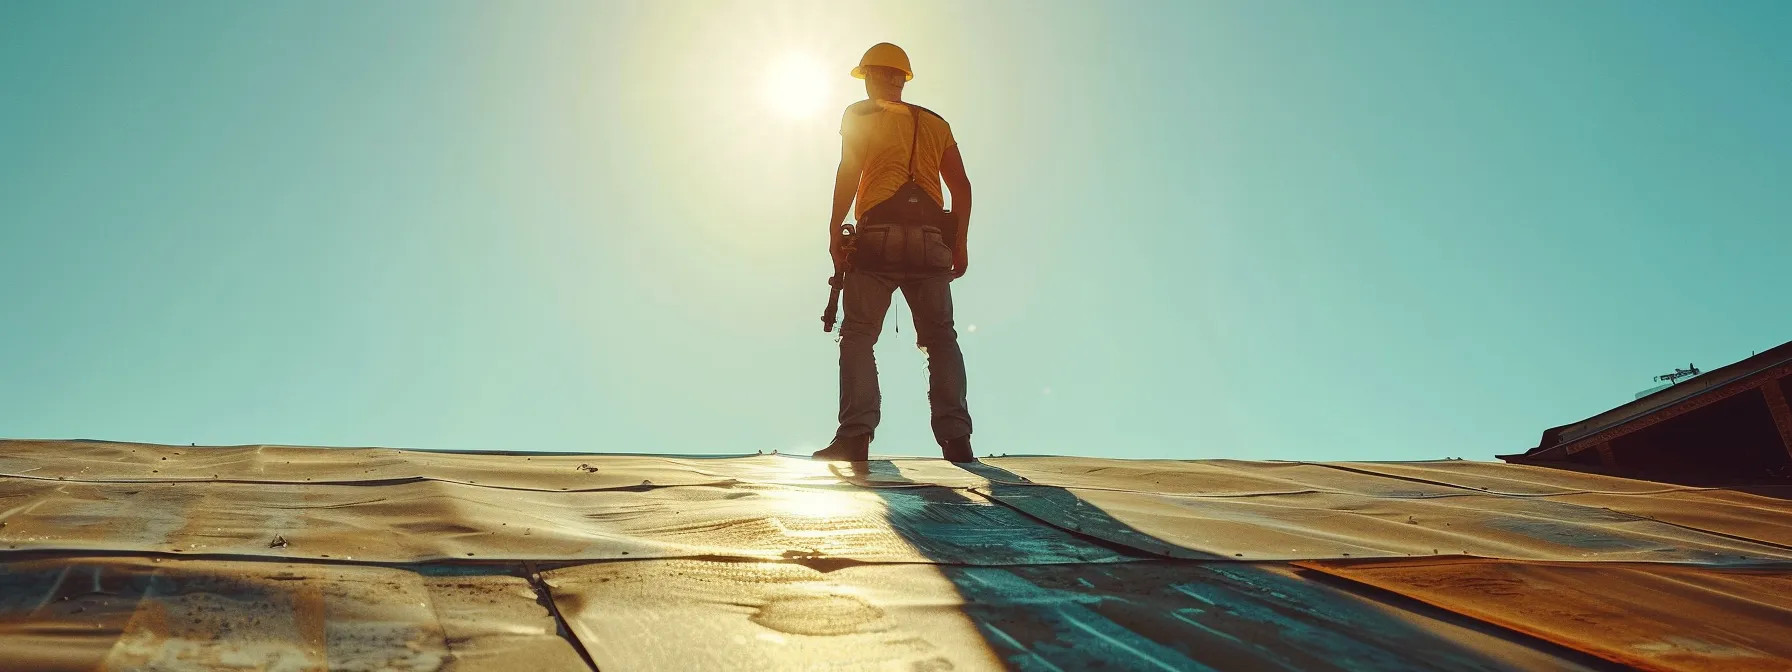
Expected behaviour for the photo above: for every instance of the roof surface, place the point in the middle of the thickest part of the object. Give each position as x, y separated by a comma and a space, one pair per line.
136, 556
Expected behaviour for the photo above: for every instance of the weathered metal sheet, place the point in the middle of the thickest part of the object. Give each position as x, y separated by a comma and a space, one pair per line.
902, 520
140, 614
1737, 514
1233, 478
701, 615
1510, 479
1332, 525
1655, 617
427, 521
697, 615
102, 461
1209, 478
1719, 511
496, 622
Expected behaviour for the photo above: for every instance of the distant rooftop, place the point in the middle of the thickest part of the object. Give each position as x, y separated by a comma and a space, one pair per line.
1727, 426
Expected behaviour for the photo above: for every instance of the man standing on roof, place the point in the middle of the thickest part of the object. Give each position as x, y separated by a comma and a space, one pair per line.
893, 156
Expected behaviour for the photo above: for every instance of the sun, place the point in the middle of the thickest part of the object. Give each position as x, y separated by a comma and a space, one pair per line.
795, 86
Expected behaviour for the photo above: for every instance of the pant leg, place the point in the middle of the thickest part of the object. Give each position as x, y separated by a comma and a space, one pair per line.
867, 299
930, 300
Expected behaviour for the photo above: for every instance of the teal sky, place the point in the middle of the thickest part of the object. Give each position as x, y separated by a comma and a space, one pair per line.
1269, 230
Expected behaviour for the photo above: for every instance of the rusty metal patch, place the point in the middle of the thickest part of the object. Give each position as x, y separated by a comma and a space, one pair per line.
1652, 616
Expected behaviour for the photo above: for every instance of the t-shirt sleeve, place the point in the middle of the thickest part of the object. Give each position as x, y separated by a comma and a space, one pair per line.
852, 124
852, 132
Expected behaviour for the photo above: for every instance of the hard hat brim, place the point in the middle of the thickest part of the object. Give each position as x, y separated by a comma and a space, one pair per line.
859, 73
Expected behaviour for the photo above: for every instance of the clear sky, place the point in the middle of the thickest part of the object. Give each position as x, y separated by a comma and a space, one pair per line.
1270, 230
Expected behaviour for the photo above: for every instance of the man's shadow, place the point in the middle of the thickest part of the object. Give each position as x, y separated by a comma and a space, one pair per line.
1049, 590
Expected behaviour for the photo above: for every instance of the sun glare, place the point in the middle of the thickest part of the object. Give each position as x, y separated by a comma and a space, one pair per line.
795, 86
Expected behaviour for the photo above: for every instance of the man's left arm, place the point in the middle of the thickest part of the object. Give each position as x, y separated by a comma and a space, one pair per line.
952, 172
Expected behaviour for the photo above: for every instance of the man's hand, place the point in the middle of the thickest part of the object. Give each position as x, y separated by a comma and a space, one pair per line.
837, 250
961, 261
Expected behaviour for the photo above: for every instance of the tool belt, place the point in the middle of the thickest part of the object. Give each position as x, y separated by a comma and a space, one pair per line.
909, 231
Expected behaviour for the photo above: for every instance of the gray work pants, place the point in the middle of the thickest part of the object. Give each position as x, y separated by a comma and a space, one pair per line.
867, 299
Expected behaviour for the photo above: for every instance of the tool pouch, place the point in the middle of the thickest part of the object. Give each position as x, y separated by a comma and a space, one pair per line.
909, 232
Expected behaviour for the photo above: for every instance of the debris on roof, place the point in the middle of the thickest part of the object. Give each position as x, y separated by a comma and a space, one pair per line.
136, 556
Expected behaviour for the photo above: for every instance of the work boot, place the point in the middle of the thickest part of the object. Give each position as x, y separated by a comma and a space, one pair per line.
958, 450
855, 448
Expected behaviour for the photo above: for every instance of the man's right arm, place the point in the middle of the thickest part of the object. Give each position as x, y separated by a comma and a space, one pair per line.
846, 186
952, 172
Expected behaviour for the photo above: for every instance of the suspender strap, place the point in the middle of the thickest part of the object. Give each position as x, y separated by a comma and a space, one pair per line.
915, 141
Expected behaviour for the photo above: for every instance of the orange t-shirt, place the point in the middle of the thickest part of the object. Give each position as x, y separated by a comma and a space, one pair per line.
880, 132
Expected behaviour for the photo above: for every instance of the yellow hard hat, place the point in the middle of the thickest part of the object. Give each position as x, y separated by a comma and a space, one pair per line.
887, 55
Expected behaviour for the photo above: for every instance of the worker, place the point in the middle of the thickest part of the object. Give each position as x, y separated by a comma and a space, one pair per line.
893, 156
